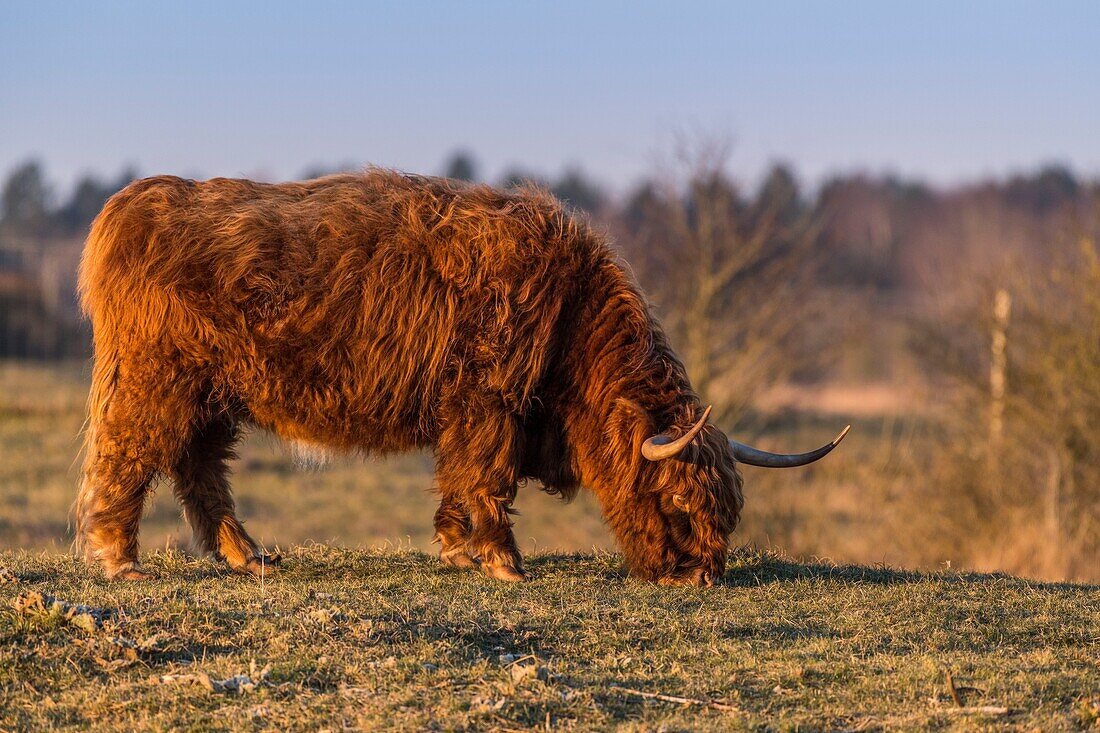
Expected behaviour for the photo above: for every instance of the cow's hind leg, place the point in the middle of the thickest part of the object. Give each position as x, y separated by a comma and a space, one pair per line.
452, 532
477, 467
132, 436
202, 487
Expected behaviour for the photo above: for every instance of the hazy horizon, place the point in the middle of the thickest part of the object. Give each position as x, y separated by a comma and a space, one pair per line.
939, 93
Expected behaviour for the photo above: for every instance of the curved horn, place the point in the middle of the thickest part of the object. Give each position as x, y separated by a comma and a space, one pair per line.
661, 446
756, 457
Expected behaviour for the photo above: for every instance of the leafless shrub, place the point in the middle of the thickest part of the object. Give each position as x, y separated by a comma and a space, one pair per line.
730, 275
1017, 486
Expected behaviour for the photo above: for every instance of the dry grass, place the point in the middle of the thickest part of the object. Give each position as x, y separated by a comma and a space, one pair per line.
373, 640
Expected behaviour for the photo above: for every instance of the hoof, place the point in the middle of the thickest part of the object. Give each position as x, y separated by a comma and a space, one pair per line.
457, 558
694, 579
504, 572
130, 571
261, 566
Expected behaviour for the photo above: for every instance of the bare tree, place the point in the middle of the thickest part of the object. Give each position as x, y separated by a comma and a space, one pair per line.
729, 276
461, 166
25, 201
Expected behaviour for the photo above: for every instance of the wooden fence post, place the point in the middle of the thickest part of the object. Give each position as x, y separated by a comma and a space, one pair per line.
1002, 306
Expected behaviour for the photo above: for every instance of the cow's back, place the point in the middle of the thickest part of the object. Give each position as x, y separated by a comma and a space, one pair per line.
335, 311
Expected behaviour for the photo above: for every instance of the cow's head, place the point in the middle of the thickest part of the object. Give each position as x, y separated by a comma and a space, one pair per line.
690, 501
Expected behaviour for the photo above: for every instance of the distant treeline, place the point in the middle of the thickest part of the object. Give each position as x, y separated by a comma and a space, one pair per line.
881, 236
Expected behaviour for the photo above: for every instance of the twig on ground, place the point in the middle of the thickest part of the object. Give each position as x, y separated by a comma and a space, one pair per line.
979, 710
676, 699
240, 683
953, 690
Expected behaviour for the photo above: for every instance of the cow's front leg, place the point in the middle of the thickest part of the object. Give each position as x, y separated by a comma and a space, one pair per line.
477, 467
476, 528
491, 539
452, 532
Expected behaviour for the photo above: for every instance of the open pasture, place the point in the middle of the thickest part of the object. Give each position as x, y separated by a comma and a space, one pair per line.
369, 640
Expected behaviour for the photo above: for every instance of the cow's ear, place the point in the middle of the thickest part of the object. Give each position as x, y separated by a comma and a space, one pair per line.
630, 416
630, 421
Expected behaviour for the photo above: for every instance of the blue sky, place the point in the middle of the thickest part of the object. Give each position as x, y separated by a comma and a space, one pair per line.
948, 91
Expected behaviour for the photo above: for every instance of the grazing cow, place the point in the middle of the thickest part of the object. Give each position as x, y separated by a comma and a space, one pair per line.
383, 312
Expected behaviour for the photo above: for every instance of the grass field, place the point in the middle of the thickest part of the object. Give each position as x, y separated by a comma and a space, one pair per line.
370, 640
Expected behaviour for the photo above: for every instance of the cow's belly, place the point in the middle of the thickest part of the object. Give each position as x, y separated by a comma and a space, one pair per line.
323, 407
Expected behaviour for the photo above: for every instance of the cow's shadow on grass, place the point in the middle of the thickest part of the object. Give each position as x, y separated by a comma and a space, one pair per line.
751, 568
746, 569
601, 567
764, 570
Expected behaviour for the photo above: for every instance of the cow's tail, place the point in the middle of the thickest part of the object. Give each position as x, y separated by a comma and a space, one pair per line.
104, 381
102, 242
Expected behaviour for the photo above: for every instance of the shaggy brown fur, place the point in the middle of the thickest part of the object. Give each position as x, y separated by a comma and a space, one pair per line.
377, 313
